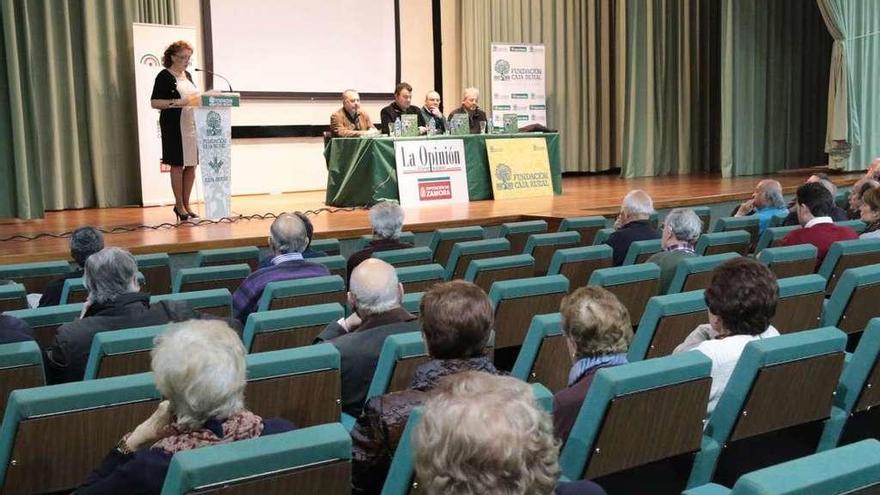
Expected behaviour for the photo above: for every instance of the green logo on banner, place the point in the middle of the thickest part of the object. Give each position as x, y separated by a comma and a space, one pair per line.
214, 122
502, 68
537, 107
216, 164
503, 173
500, 107
519, 49
519, 96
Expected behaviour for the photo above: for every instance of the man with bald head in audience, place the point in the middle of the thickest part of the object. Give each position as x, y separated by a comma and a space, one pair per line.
374, 294
767, 202
288, 239
633, 224
350, 120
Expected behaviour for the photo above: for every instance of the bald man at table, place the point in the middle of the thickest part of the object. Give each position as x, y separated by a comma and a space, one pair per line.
350, 120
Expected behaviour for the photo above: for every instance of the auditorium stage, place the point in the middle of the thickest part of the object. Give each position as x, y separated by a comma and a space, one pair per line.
582, 196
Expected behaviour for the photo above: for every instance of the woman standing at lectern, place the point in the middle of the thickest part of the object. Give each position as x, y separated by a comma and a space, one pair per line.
173, 92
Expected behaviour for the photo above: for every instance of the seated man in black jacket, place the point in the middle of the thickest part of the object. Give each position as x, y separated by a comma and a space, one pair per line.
477, 119
84, 242
374, 294
114, 303
633, 224
402, 105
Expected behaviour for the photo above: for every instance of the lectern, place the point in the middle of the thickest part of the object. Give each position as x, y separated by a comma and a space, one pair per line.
213, 117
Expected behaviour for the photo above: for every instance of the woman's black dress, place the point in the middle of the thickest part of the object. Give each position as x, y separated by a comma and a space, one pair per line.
165, 88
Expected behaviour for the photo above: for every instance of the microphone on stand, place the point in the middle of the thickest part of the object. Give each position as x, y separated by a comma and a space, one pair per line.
218, 75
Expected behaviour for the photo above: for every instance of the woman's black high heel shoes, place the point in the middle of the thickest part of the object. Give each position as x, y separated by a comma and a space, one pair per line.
181, 216
191, 215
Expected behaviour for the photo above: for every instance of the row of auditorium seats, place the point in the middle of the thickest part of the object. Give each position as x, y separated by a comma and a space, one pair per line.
801, 306
800, 389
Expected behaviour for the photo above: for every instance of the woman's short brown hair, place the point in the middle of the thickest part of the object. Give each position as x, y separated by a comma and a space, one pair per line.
174, 48
596, 321
743, 294
871, 197
456, 320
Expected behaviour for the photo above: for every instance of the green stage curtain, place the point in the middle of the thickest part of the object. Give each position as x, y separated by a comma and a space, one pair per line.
68, 131
583, 88
775, 58
672, 95
853, 131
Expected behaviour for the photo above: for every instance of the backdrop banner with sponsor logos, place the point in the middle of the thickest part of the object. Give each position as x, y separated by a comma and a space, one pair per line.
431, 171
518, 84
150, 41
520, 168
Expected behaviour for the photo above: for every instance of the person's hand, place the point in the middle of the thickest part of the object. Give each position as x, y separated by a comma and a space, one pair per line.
352, 323
437, 113
86, 306
423, 129
745, 208
618, 222
153, 429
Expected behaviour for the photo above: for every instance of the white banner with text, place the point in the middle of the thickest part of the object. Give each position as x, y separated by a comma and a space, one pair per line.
431, 171
519, 83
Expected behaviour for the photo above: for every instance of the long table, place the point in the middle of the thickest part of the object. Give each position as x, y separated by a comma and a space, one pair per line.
362, 171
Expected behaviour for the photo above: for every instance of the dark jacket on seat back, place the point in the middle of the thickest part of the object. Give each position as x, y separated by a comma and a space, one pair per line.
67, 356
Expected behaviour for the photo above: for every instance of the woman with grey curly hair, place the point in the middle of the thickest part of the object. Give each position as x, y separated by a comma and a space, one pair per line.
459, 451
199, 368
597, 330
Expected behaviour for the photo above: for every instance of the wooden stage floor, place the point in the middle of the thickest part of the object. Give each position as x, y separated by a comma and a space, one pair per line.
583, 196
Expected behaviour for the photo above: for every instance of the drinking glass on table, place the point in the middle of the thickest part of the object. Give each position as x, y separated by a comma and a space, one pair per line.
482, 127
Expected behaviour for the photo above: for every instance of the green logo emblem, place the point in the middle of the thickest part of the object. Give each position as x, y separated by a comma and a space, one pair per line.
502, 68
503, 173
216, 164
214, 122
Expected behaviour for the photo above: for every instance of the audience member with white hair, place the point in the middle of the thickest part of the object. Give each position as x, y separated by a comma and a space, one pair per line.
767, 202
288, 239
482, 434
386, 218
199, 369
470, 107
114, 303
681, 229
374, 294
633, 224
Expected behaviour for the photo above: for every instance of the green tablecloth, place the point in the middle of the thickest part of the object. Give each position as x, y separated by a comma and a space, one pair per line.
361, 171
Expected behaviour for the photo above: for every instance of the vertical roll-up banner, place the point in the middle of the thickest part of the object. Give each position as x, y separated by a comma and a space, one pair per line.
518, 83
150, 41
214, 137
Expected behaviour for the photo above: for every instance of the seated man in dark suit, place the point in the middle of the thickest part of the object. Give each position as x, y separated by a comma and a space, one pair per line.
387, 221
432, 114
470, 106
350, 120
84, 242
633, 224
374, 295
114, 303
814, 205
402, 105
